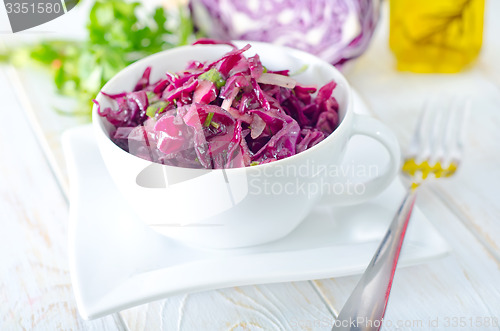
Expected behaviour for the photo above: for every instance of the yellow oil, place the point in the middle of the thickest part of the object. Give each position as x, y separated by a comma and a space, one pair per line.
435, 36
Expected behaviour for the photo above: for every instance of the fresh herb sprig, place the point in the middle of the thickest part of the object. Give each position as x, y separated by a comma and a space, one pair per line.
119, 33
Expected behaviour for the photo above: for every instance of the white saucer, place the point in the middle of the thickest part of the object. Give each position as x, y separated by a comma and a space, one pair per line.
117, 262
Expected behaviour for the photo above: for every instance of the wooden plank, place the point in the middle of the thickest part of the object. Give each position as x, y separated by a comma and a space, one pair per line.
36, 93
35, 286
284, 306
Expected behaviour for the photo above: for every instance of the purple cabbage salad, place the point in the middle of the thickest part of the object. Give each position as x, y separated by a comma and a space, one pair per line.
233, 112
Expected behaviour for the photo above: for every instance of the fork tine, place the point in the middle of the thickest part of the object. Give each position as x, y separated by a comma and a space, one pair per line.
465, 112
450, 132
440, 126
453, 146
420, 139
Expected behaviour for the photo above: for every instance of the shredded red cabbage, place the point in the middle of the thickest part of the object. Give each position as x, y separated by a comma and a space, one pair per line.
229, 113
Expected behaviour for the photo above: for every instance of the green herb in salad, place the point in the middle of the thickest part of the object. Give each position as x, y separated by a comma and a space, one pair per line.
208, 120
156, 108
214, 76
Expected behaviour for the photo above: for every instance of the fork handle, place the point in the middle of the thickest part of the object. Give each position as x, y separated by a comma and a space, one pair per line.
365, 308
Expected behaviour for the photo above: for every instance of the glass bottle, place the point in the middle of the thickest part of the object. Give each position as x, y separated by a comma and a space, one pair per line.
435, 35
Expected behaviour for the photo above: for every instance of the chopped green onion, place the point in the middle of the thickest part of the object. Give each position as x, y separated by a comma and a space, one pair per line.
208, 120
215, 124
254, 163
156, 108
213, 75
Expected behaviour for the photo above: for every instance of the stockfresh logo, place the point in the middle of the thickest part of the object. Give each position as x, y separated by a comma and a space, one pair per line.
25, 14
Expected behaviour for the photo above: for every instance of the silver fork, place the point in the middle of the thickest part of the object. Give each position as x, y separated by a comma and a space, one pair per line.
435, 152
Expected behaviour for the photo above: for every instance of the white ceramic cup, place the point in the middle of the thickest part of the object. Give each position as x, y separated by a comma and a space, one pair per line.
226, 208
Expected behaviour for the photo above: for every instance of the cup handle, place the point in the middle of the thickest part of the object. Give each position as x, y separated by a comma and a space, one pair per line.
371, 127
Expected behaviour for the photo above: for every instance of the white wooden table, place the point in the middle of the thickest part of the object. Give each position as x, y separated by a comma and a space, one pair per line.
458, 292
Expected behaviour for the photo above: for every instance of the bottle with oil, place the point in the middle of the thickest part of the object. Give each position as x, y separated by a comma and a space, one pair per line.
442, 36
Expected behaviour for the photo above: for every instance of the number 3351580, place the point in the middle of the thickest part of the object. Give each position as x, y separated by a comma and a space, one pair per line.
32, 8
